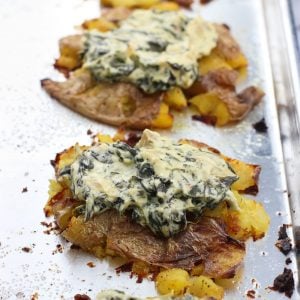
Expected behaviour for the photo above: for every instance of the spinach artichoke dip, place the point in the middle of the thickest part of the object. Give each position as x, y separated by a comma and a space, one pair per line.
119, 295
153, 50
157, 182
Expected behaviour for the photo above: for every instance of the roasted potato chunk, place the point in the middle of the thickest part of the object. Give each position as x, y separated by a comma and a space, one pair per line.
172, 282
175, 98
104, 138
212, 62
210, 105
130, 3
248, 176
229, 49
166, 6
203, 286
70, 53
66, 157
164, 119
215, 96
100, 24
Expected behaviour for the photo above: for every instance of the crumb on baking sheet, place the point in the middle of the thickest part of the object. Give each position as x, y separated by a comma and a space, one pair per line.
127, 267
251, 294
52, 227
255, 284
91, 264
81, 297
288, 261
35, 296
284, 283
261, 126
132, 138
25, 189
205, 1
185, 3
52, 163
89, 132
59, 249
284, 242
27, 249
209, 120
46, 224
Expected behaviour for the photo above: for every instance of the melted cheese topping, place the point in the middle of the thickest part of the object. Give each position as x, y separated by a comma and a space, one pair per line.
158, 182
152, 49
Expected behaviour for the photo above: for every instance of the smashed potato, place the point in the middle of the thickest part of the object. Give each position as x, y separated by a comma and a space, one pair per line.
214, 94
250, 221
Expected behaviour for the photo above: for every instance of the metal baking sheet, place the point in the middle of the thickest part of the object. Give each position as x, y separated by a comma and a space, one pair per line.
35, 127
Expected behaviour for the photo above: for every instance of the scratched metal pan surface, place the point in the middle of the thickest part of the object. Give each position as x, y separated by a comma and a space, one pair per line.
35, 127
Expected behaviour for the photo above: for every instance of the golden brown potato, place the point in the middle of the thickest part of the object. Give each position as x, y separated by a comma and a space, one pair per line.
172, 282
250, 221
166, 6
100, 24
229, 49
130, 3
212, 62
104, 138
164, 119
70, 53
248, 176
175, 98
214, 95
203, 286
211, 105
66, 157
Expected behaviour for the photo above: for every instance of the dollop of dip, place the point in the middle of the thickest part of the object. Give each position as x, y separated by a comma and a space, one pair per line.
154, 50
157, 182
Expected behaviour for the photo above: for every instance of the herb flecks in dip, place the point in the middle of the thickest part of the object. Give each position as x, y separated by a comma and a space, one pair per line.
158, 181
154, 50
